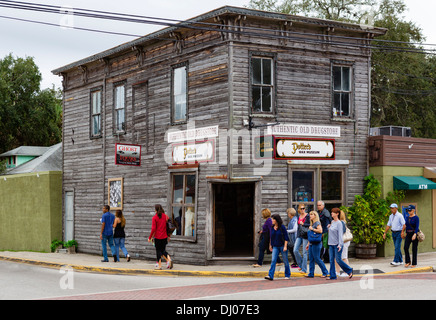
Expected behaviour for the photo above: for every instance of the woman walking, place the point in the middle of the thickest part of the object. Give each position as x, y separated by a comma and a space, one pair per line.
315, 246
278, 244
336, 245
119, 235
159, 234
303, 227
264, 237
411, 229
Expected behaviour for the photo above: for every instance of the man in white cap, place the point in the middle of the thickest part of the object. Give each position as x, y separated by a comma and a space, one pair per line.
396, 223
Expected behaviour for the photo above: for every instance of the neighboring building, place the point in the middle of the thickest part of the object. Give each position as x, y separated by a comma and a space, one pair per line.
405, 163
22, 155
183, 117
31, 203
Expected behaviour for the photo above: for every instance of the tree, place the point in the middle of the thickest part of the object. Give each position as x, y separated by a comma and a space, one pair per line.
28, 115
403, 76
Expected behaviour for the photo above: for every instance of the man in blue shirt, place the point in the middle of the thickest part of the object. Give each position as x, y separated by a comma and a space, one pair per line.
107, 234
396, 223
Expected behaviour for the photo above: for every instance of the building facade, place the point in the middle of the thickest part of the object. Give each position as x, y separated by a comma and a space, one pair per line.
216, 118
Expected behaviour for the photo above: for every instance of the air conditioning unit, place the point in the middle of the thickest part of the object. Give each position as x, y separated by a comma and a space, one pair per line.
391, 131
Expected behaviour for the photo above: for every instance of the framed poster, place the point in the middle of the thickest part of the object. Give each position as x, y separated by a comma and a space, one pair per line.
115, 193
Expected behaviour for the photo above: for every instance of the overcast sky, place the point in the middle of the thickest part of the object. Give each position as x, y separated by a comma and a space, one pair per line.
53, 46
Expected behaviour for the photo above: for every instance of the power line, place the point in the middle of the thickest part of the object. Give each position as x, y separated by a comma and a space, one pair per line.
203, 26
170, 22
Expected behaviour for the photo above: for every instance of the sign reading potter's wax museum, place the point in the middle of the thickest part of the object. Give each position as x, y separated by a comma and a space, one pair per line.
194, 152
127, 154
304, 149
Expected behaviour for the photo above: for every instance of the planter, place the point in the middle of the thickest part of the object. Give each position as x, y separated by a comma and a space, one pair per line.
71, 250
366, 251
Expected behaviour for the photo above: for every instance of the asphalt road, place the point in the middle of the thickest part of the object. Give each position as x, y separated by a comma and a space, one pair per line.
28, 282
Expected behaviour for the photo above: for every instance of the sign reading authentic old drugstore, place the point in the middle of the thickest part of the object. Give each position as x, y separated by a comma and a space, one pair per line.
127, 154
193, 134
309, 149
298, 130
194, 152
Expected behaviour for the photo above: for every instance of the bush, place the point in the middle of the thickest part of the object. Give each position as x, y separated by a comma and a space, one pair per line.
370, 213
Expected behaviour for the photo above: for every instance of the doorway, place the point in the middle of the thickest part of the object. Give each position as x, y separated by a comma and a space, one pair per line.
69, 216
234, 219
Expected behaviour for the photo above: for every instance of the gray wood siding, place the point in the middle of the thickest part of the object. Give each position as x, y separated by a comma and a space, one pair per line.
218, 94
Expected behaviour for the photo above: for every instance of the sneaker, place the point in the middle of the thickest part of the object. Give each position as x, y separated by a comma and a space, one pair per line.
128, 258
394, 264
268, 278
287, 278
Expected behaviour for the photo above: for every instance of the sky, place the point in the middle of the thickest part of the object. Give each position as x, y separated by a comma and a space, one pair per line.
55, 46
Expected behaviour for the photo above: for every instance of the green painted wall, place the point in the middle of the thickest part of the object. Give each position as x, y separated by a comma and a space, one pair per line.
423, 198
30, 211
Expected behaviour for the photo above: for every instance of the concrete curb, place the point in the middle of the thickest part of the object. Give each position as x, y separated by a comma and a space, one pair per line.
187, 273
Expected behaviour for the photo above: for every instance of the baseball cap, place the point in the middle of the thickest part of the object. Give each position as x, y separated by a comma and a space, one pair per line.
410, 207
394, 205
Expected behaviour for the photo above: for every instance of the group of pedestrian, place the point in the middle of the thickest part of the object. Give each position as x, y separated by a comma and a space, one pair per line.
112, 233
309, 231
404, 227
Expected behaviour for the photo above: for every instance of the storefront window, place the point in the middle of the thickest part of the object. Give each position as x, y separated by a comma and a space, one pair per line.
183, 204
303, 188
308, 187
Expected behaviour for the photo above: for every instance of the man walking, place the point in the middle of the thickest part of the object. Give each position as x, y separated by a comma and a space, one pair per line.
107, 234
396, 223
325, 218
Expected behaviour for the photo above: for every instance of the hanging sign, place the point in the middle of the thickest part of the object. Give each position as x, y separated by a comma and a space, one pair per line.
127, 154
194, 152
308, 149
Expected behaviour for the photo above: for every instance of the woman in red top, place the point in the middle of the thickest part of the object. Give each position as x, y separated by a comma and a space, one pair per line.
159, 233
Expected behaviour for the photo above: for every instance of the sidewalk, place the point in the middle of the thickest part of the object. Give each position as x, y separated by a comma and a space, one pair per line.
92, 263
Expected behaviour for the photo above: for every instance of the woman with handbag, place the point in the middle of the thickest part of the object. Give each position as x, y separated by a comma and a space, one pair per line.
336, 245
347, 237
278, 244
159, 235
315, 243
303, 227
410, 229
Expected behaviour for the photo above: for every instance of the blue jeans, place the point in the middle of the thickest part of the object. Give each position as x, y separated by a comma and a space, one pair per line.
315, 256
301, 261
275, 255
110, 240
334, 254
263, 245
396, 237
119, 243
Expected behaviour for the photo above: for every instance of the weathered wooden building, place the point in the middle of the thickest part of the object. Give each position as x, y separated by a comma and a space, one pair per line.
184, 117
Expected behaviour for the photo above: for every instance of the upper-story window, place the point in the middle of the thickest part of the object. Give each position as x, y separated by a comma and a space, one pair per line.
96, 113
342, 91
262, 84
120, 108
179, 103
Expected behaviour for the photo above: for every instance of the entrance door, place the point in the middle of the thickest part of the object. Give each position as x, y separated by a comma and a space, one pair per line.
234, 219
69, 216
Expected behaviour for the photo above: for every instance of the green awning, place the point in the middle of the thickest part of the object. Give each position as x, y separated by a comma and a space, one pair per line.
413, 183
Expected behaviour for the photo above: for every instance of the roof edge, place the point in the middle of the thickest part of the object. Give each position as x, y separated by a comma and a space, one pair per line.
212, 14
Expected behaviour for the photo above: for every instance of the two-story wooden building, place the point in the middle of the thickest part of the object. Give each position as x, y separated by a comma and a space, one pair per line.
216, 118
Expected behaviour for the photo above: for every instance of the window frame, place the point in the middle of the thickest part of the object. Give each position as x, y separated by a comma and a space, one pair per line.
317, 189
92, 114
272, 86
172, 203
173, 97
336, 113
114, 109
